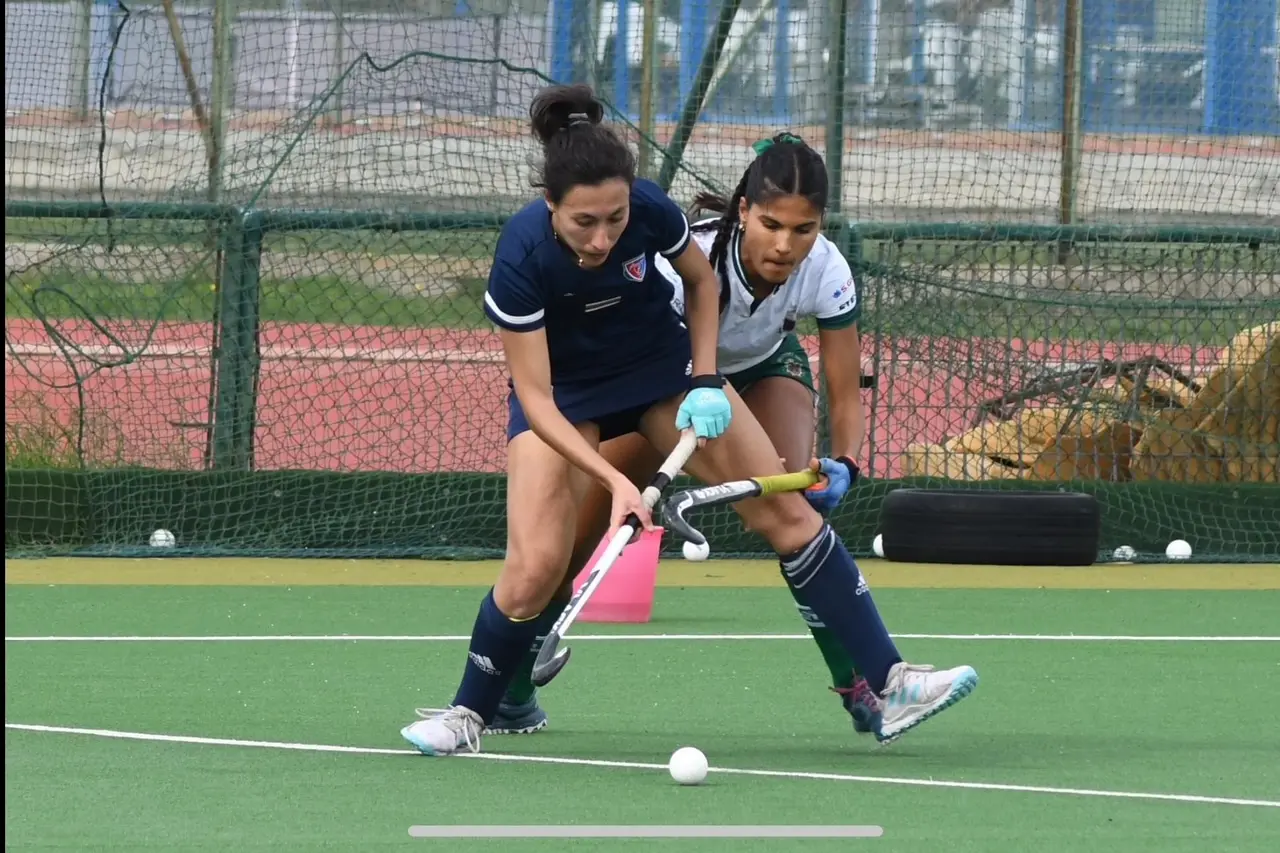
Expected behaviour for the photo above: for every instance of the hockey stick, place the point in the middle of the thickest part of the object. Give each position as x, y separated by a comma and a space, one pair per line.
551, 658
681, 502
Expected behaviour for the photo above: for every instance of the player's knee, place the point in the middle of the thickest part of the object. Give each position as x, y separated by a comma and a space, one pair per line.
531, 575
786, 521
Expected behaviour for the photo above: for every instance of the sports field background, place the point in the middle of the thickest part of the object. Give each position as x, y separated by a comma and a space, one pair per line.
172, 704
463, 162
332, 397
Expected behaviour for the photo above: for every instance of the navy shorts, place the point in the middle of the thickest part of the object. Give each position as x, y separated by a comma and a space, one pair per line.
615, 404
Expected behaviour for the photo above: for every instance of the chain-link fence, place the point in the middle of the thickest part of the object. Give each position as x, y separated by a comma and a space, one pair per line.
246, 243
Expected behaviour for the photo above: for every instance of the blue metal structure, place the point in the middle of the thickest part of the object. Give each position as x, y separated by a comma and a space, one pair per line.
696, 22
695, 25
1240, 68
621, 63
1132, 82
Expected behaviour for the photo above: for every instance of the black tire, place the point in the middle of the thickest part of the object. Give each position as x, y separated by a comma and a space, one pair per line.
1003, 528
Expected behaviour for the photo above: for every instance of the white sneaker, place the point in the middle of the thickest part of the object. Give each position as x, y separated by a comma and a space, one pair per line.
913, 694
448, 732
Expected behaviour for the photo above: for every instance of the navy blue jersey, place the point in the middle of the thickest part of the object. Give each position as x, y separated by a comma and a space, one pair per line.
599, 322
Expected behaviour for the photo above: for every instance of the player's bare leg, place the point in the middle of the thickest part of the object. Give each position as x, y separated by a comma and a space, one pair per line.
543, 491
818, 567
520, 711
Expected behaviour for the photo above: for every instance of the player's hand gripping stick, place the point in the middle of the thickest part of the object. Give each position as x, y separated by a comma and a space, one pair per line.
551, 658
673, 511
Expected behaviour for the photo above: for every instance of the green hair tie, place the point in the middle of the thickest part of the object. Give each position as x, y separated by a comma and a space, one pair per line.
784, 138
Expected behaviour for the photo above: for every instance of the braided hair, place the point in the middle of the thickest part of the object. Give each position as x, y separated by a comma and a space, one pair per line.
784, 165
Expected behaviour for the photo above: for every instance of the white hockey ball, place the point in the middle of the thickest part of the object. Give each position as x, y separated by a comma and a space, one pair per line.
695, 552
688, 765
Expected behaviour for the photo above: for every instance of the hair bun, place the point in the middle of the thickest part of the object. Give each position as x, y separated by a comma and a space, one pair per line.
558, 108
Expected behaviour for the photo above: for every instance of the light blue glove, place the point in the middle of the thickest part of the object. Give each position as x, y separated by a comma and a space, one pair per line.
841, 474
705, 408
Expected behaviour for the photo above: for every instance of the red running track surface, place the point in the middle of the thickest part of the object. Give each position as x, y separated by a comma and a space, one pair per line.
357, 398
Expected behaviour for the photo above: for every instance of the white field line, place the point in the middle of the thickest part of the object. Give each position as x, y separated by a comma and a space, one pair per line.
635, 765
352, 353
897, 363
456, 638
355, 353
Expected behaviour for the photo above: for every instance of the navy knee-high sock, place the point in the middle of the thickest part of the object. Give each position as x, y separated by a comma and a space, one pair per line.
521, 688
824, 578
497, 645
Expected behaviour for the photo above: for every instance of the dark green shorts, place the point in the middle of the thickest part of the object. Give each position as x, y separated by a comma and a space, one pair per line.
790, 361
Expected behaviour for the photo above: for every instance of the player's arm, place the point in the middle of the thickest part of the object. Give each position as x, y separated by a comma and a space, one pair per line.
701, 289
840, 351
841, 359
701, 307
516, 305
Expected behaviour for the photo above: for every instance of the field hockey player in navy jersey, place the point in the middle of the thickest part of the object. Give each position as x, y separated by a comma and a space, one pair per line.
596, 350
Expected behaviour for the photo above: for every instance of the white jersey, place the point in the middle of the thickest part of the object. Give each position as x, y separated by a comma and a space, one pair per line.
822, 287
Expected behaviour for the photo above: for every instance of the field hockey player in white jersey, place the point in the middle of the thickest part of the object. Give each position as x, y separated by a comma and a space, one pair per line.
775, 269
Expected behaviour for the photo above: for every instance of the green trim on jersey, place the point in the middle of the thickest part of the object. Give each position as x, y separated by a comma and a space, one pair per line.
842, 321
790, 361
848, 318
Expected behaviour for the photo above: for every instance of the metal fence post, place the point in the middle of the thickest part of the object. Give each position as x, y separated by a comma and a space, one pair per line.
235, 412
693, 102
221, 96
1071, 146
837, 51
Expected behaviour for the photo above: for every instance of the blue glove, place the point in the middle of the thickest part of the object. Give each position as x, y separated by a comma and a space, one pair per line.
841, 474
705, 408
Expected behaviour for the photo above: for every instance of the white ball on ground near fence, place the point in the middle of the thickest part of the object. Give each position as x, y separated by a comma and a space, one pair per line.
877, 545
695, 552
1124, 554
163, 539
1179, 549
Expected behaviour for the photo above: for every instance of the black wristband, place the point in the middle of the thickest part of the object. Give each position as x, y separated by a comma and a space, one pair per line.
851, 465
707, 380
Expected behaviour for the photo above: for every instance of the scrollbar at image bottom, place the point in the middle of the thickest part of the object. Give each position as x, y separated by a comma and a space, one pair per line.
643, 831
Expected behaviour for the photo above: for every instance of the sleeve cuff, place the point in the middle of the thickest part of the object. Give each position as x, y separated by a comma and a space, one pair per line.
840, 321
680, 245
514, 322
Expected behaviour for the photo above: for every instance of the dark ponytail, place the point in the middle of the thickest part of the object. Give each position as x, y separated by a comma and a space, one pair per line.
710, 202
577, 149
784, 165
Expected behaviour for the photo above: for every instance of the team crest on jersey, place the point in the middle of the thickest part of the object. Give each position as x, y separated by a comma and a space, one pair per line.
635, 268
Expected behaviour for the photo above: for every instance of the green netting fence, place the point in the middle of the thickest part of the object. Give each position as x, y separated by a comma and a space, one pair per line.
325, 382
252, 315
